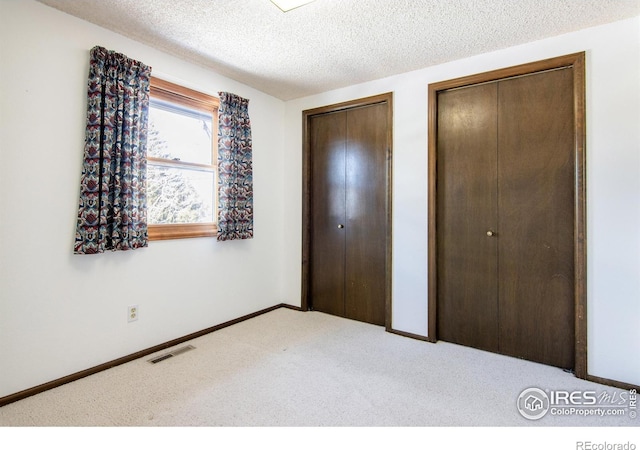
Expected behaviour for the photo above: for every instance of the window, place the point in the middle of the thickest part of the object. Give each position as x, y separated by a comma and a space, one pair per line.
181, 162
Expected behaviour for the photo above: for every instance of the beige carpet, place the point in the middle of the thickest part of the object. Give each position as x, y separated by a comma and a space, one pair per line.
289, 368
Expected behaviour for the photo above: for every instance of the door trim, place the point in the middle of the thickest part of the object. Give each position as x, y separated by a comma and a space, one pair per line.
576, 61
307, 197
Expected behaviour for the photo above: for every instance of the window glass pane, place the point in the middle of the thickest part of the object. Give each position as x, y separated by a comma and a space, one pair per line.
179, 195
179, 133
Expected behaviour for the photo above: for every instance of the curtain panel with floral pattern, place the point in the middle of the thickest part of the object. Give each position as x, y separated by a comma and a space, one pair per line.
112, 208
235, 172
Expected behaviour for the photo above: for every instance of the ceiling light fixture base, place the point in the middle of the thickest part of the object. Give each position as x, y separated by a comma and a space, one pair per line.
288, 5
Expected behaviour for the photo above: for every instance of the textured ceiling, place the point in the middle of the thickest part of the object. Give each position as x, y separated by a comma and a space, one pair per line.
329, 44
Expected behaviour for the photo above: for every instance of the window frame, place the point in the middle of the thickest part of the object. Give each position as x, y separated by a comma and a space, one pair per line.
186, 97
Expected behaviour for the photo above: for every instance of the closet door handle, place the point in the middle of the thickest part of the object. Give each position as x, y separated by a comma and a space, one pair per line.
490, 233
340, 225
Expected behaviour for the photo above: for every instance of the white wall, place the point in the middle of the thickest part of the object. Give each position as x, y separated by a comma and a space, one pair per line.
613, 185
61, 313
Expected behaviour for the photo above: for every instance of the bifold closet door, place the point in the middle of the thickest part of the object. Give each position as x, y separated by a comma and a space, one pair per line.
328, 213
349, 212
505, 217
366, 213
467, 210
536, 217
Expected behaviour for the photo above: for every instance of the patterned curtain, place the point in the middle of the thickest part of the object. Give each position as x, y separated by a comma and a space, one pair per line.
112, 209
235, 173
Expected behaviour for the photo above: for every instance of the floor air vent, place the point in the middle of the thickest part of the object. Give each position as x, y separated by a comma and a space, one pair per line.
171, 354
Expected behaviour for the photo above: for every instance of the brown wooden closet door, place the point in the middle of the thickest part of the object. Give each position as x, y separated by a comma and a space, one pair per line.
505, 166
349, 170
467, 276
328, 153
366, 213
536, 210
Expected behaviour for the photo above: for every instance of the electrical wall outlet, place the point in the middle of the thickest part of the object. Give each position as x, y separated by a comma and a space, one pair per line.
132, 313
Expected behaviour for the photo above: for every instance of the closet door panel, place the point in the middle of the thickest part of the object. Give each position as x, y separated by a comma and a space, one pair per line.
366, 213
466, 200
535, 229
327, 141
